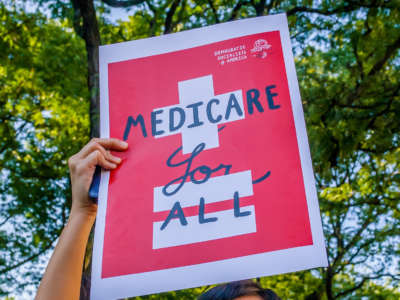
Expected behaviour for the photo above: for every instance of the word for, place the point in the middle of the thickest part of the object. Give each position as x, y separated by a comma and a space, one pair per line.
198, 175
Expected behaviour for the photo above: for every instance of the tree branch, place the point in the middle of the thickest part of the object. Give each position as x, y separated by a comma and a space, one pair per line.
390, 50
215, 13
151, 6
77, 18
260, 6
121, 3
361, 283
362, 107
5, 220
8, 269
170, 14
354, 288
180, 14
348, 7
354, 240
300, 9
236, 9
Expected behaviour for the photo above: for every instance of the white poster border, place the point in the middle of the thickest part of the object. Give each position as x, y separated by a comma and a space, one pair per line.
264, 264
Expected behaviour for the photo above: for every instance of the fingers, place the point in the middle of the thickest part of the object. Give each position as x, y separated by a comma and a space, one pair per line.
87, 165
102, 145
113, 144
97, 152
107, 155
97, 158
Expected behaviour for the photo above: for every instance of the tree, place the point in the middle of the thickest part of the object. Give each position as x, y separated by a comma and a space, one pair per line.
348, 64
44, 120
352, 98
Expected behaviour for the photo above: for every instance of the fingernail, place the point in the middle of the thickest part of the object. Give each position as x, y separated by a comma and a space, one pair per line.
124, 144
117, 159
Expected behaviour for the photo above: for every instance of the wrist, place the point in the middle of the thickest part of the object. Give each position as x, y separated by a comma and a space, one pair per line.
83, 206
83, 216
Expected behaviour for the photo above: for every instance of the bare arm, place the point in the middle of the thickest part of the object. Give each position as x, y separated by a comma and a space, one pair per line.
62, 278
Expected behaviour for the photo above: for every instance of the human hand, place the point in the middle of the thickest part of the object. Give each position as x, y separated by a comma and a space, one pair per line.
82, 166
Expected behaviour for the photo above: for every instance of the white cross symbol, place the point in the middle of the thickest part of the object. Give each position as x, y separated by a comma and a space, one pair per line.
218, 188
190, 92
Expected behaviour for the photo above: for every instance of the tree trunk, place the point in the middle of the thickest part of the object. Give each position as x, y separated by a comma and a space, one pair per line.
85, 25
328, 283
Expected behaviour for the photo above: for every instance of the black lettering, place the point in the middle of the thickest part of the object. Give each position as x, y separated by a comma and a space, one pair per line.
252, 98
131, 121
196, 121
202, 219
236, 206
270, 97
155, 121
177, 183
176, 212
172, 126
262, 178
233, 103
209, 115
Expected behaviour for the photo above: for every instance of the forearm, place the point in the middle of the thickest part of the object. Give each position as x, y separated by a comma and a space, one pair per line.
62, 278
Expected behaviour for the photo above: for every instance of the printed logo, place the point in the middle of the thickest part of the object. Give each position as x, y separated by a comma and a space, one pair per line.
231, 55
260, 48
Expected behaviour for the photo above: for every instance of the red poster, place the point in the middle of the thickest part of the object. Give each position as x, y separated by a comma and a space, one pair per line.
217, 182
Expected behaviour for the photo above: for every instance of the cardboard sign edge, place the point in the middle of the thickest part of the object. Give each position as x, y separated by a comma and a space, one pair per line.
301, 258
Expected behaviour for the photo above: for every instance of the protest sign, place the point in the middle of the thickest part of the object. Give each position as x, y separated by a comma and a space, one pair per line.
217, 184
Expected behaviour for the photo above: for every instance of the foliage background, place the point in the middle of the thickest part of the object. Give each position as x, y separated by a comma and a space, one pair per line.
348, 64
